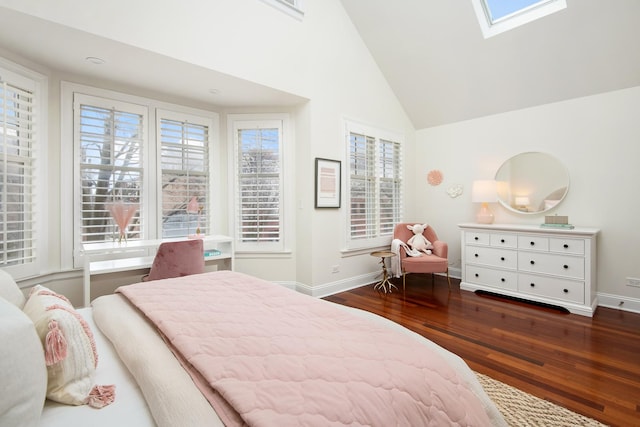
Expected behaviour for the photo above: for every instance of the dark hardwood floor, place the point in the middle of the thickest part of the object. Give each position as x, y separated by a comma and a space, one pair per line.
589, 365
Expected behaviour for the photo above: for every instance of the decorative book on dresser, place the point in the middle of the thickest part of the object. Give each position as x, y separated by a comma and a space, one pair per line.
551, 266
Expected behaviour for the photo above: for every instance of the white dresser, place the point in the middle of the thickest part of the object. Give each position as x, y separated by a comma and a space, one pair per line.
548, 265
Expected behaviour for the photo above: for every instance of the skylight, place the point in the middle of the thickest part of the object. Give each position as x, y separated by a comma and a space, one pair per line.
498, 16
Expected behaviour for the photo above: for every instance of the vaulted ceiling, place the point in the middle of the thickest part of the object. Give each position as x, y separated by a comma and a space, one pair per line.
442, 70
432, 53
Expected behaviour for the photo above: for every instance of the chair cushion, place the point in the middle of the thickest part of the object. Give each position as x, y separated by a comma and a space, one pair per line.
425, 264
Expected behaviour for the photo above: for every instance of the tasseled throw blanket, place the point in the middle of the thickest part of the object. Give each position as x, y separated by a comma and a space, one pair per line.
396, 244
280, 358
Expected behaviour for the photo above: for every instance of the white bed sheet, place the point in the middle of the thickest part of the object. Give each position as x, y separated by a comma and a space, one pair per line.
129, 407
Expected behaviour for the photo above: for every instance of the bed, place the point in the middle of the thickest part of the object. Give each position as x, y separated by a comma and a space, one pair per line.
224, 348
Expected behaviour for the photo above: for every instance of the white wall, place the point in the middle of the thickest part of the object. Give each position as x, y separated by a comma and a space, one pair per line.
597, 139
321, 58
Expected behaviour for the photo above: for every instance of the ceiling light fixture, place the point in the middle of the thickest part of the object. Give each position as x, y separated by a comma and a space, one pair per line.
95, 60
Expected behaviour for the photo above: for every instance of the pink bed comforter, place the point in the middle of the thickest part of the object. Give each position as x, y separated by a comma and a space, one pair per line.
268, 356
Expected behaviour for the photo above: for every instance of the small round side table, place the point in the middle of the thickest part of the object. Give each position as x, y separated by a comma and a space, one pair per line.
385, 284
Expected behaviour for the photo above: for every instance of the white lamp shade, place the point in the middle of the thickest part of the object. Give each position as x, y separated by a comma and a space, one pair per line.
522, 201
484, 191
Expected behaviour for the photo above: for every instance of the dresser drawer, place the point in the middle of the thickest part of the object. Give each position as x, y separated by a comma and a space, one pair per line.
477, 238
500, 279
567, 246
504, 241
533, 243
559, 265
549, 287
493, 257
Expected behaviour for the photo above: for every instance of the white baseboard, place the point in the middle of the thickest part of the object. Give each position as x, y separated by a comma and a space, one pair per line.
337, 286
619, 302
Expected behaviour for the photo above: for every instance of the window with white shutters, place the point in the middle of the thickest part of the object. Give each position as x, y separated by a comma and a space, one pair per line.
18, 125
137, 156
374, 185
185, 174
111, 139
389, 186
259, 185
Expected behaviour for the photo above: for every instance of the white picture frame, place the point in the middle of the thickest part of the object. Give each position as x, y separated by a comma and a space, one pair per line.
327, 182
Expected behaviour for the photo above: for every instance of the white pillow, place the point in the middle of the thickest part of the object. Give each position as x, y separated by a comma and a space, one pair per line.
23, 375
10, 291
69, 350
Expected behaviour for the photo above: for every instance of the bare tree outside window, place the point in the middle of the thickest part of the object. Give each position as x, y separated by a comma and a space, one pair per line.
111, 169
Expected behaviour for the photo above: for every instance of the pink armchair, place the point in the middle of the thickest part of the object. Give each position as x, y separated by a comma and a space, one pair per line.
176, 259
437, 262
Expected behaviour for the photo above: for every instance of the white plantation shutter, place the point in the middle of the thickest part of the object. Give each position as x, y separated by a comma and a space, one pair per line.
185, 174
362, 198
17, 172
259, 185
389, 186
110, 146
374, 186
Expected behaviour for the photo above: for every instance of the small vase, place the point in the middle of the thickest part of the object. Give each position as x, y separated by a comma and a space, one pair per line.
122, 214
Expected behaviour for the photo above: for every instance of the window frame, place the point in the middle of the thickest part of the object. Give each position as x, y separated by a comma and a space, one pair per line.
508, 22
379, 239
143, 209
266, 120
71, 248
210, 123
38, 84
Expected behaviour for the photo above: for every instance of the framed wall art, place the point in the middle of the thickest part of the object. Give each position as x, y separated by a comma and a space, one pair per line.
327, 183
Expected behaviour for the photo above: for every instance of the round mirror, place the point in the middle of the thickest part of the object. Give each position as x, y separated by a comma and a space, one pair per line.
532, 183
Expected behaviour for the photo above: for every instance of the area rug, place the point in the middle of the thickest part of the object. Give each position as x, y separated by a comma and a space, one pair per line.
521, 409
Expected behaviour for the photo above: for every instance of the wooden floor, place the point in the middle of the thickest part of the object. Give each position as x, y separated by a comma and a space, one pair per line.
589, 365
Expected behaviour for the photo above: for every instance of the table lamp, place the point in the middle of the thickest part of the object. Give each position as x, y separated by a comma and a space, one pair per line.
484, 192
522, 202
